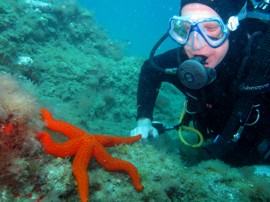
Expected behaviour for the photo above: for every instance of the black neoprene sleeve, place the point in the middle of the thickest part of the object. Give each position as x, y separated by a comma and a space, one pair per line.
150, 80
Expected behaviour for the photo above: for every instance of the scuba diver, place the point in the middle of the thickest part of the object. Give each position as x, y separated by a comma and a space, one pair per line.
222, 66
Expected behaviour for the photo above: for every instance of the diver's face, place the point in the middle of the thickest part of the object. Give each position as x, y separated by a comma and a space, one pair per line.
196, 44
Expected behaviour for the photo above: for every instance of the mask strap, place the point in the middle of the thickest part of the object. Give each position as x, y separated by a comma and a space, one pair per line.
234, 21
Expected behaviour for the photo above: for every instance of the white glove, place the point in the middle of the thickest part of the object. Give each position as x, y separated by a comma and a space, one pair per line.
145, 129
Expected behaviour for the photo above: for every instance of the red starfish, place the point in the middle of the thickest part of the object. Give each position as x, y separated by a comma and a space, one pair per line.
84, 147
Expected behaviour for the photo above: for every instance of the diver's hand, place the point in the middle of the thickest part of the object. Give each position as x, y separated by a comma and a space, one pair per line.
144, 128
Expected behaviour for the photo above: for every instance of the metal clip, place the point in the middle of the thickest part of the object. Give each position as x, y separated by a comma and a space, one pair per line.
236, 137
258, 115
264, 5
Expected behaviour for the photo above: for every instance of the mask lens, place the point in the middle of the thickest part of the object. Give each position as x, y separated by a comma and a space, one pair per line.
180, 30
212, 29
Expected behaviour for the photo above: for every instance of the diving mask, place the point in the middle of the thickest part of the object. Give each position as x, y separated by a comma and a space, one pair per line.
212, 30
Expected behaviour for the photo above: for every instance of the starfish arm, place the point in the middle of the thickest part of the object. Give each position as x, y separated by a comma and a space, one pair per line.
113, 164
109, 141
62, 150
60, 126
79, 169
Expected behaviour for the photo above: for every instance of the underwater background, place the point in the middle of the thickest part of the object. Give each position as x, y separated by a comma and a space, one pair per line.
137, 24
65, 56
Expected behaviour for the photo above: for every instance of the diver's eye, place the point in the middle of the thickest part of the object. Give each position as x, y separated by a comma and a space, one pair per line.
212, 29
211, 26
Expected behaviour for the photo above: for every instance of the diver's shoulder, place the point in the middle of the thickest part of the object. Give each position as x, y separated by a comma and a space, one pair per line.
254, 25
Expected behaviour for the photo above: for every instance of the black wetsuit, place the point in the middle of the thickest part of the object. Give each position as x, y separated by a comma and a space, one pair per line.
220, 105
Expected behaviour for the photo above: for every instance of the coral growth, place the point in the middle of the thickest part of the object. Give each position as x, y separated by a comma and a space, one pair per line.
18, 112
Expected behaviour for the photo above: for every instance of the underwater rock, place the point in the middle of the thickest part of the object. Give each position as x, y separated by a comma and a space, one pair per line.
262, 170
24, 60
38, 4
18, 123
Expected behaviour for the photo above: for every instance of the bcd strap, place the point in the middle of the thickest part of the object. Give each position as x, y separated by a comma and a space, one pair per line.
239, 117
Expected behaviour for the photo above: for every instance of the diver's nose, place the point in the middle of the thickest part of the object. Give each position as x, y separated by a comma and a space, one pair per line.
196, 41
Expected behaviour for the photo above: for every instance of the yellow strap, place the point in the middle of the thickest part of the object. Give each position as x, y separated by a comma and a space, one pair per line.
194, 131
189, 129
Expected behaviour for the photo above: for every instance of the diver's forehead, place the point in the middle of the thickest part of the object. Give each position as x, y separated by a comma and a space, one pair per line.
198, 16
198, 11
